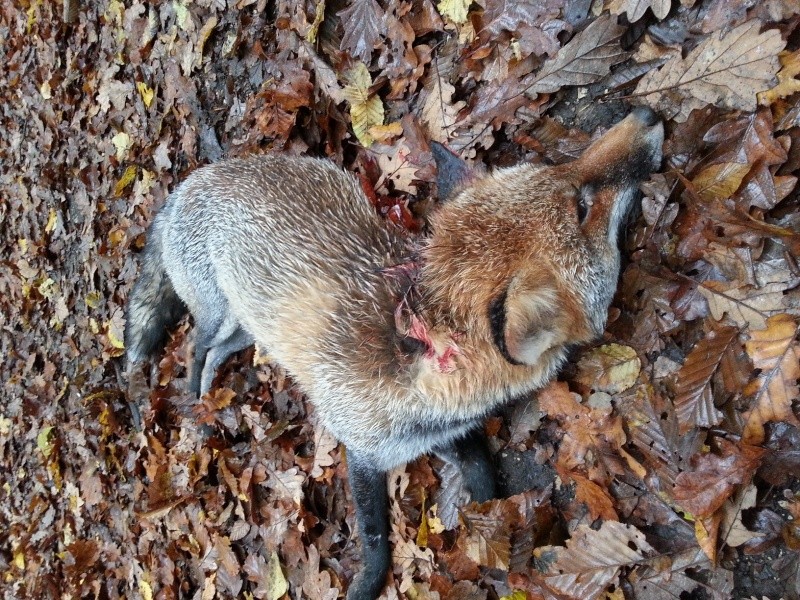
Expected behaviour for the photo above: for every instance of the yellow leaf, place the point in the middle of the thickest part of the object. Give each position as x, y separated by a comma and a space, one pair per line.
612, 368
787, 84
366, 110
19, 559
276, 582
515, 595
43, 441
720, 181
146, 92
127, 178
52, 219
122, 142
93, 299
311, 36
455, 10
45, 90
113, 336
145, 589
383, 133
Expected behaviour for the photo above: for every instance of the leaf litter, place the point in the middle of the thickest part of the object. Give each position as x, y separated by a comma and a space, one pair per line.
663, 464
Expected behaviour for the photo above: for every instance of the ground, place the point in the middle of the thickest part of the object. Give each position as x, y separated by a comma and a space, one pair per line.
662, 464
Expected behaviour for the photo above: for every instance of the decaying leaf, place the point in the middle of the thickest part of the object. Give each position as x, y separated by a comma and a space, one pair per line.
713, 477
363, 25
366, 109
727, 70
635, 9
587, 57
612, 368
694, 404
592, 559
776, 353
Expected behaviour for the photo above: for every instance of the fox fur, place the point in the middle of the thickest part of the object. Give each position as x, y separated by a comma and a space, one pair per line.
402, 344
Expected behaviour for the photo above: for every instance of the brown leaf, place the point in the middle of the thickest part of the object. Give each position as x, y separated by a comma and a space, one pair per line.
592, 559
486, 537
533, 23
776, 352
727, 70
635, 9
587, 57
702, 490
363, 26
694, 404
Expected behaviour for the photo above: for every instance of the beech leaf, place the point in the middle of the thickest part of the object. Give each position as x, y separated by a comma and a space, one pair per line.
612, 368
713, 477
776, 352
694, 403
592, 559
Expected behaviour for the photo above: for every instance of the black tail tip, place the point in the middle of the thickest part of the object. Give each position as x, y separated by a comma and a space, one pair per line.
646, 115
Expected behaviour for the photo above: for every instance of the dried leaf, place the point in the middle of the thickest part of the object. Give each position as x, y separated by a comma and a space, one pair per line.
694, 404
612, 368
363, 25
488, 533
702, 490
776, 353
454, 10
787, 84
726, 70
587, 58
592, 559
635, 9
366, 109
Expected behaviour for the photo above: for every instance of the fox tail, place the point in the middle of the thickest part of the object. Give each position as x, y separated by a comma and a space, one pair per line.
153, 307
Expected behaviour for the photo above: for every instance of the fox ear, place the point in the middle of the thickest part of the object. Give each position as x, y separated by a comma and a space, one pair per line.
452, 172
523, 319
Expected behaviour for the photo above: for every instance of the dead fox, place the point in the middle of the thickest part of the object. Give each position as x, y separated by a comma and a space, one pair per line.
403, 344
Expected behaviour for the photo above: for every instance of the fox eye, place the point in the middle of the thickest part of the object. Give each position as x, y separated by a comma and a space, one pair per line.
583, 203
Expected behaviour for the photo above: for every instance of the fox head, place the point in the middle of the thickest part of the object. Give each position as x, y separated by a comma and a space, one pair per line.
529, 254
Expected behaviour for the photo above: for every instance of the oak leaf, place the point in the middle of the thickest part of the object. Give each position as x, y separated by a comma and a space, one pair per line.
635, 9
726, 70
586, 58
362, 22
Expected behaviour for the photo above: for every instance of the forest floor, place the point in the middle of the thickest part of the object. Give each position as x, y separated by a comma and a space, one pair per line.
663, 464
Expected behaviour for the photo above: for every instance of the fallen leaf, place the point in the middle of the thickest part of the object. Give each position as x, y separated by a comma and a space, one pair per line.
694, 403
776, 353
585, 59
612, 368
705, 76
592, 559
713, 477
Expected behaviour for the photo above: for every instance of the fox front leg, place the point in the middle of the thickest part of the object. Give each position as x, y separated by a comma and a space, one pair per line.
368, 487
471, 455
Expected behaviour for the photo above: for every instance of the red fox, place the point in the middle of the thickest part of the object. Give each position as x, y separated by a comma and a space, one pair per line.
402, 343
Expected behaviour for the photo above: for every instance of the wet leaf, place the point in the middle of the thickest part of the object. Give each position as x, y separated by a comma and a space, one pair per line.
743, 56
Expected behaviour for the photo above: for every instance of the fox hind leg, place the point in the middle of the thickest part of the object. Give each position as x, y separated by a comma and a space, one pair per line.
368, 487
471, 455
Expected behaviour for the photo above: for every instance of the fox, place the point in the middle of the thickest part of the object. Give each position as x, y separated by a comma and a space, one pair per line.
403, 342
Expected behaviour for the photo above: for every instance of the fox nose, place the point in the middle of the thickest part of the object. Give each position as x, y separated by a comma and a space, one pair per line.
645, 115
